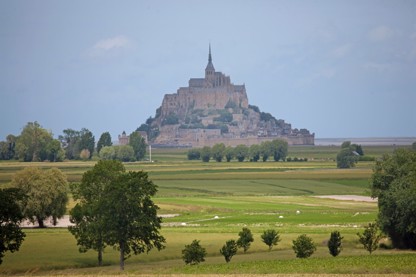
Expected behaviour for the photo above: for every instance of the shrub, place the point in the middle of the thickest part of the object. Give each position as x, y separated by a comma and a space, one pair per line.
229, 249
270, 237
246, 238
303, 246
370, 237
194, 253
194, 154
335, 243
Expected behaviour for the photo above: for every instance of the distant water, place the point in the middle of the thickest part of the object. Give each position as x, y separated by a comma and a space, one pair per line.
366, 141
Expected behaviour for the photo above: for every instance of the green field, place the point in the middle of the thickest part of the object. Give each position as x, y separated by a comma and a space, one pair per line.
212, 201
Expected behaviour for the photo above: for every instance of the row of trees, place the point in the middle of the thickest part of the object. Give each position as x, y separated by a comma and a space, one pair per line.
37, 144
303, 246
277, 149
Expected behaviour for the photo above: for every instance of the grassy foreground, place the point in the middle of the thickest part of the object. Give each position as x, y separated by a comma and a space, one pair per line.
212, 201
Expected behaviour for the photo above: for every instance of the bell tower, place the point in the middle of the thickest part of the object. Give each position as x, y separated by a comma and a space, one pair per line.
210, 70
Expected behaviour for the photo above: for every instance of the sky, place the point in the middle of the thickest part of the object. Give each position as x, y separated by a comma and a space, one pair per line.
337, 68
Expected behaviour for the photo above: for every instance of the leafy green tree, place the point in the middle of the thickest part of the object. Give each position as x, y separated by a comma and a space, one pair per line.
4, 151
370, 237
346, 158
108, 153
124, 153
245, 239
105, 140
228, 250
11, 235
266, 150
46, 192
87, 215
139, 145
255, 152
194, 253
279, 149
335, 243
86, 141
241, 152
303, 246
130, 217
229, 153
270, 237
32, 142
206, 153
194, 154
71, 143
54, 152
7, 148
394, 184
85, 154
414, 146
217, 152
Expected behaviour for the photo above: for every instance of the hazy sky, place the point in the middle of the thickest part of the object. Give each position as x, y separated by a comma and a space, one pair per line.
337, 68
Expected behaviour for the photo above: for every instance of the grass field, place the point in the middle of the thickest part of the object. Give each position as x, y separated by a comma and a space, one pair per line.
212, 201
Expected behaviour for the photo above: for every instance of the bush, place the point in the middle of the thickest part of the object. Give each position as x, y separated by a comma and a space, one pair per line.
303, 246
370, 237
194, 253
335, 243
194, 154
270, 237
229, 249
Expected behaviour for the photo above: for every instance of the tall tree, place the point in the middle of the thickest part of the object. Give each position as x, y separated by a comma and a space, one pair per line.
87, 214
105, 140
139, 145
46, 192
280, 149
11, 235
241, 152
131, 220
71, 143
394, 184
255, 152
32, 142
87, 140
217, 152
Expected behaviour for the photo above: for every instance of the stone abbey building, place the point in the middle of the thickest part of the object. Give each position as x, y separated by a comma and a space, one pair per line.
213, 110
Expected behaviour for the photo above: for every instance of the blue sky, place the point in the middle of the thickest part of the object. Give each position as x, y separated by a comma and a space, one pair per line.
337, 68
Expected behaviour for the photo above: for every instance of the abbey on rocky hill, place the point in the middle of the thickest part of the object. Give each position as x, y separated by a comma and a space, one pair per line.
213, 110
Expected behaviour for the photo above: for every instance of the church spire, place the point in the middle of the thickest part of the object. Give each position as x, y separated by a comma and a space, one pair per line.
209, 70
209, 55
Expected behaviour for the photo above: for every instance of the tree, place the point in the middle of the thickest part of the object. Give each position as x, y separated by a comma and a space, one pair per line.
139, 145
347, 157
124, 153
107, 153
194, 154
46, 192
266, 150
54, 152
279, 149
87, 140
270, 237
194, 253
303, 246
130, 216
228, 250
85, 154
206, 154
229, 153
87, 215
11, 235
393, 182
105, 140
32, 142
241, 152
370, 237
7, 148
217, 152
335, 243
255, 152
414, 146
245, 239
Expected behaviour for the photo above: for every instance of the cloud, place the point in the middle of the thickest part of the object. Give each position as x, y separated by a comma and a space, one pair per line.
110, 45
379, 67
381, 33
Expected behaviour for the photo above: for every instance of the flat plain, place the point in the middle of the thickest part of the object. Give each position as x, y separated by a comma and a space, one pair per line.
213, 201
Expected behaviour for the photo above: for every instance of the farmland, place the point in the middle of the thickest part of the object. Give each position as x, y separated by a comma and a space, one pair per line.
213, 201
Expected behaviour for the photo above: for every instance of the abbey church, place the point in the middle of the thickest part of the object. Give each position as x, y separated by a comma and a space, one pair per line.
213, 110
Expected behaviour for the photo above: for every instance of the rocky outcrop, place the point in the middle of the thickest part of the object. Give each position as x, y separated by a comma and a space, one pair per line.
213, 110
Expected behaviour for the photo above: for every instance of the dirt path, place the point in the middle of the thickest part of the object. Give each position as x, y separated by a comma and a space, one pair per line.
349, 198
